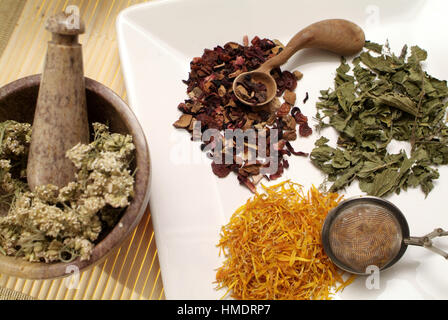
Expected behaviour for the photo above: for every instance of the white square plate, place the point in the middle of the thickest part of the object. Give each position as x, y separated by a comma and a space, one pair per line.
189, 204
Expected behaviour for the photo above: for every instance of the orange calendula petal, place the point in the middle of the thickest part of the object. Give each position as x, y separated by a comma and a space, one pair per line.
272, 246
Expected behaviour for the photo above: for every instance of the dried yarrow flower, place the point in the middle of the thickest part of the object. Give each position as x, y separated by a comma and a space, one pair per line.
59, 224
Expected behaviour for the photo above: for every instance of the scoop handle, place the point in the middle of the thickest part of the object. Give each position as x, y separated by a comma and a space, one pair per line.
336, 35
426, 241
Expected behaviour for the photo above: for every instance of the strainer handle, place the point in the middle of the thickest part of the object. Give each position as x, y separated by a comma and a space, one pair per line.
426, 241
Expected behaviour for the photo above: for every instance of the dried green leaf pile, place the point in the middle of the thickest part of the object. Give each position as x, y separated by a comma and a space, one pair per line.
52, 224
383, 97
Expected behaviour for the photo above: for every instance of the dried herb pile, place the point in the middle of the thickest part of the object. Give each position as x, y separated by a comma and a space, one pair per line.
213, 102
52, 224
273, 247
380, 98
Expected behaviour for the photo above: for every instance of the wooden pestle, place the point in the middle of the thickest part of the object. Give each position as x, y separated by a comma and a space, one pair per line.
60, 119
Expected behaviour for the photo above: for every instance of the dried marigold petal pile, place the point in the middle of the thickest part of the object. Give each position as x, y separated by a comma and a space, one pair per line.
273, 249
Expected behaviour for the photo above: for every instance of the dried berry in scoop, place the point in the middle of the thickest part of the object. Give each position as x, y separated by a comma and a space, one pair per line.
251, 91
212, 104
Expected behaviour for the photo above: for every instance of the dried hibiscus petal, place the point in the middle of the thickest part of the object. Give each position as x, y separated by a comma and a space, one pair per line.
305, 130
283, 110
221, 170
246, 182
296, 153
279, 172
300, 118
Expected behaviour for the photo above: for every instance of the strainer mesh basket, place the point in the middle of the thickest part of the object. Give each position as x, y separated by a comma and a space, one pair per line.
364, 235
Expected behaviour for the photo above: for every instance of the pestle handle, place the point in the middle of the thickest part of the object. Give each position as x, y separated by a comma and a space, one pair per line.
60, 120
65, 28
65, 24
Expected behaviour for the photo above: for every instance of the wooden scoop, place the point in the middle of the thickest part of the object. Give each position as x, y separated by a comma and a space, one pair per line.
336, 35
60, 120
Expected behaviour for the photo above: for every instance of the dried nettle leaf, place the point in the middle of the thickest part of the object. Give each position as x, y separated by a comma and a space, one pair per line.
380, 98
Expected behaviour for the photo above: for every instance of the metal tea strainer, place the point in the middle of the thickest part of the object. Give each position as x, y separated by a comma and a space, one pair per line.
365, 231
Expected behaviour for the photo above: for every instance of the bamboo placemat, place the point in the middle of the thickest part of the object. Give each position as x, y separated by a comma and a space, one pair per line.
8, 294
132, 272
10, 11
